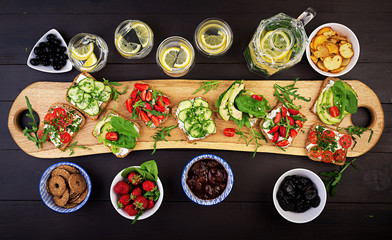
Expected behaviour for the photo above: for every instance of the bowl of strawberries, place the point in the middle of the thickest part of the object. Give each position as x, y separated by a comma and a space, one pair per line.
136, 192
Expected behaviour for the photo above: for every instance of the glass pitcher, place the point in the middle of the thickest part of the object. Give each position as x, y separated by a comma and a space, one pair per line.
278, 43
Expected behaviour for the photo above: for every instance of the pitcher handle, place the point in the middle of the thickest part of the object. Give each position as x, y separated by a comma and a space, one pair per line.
307, 15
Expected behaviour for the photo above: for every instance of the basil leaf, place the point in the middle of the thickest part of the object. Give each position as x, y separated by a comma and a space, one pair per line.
124, 127
123, 141
352, 102
151, 167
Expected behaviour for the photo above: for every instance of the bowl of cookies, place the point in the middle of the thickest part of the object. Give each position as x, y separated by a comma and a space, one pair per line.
333, 49
65, 187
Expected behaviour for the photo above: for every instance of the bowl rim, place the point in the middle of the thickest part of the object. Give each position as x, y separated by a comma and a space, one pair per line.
121, 211
220, 198
293, 216
42, 188
353, 40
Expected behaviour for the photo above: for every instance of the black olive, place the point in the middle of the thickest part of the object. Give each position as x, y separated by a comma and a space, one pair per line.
45, 63
63, 49
62, 63
34, 61
50, 36
37, 51
43, 44
50, 60
64, 57
56, 42
43, 57
57, 67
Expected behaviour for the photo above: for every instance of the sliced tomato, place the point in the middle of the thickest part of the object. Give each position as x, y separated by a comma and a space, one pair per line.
277, 117
59, 112
340, 155
293, 111
141, 87
328, 136
334, 111
313, 137
155, 120
229, 132
148, 96
143, 95
129, 105
274, 129
257, 97
166, 101
327, 156
49, 118
65, 137
345, 141
41, 133
111, 136
275, 137
69, 119
315, 151
284, 112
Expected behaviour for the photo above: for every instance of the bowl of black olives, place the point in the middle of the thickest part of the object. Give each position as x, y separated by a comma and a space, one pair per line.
49, 54
299, 195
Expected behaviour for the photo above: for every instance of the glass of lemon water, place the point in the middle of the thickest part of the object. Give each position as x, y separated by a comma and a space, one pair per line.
87, 52
133, 39
175, 55
213, 37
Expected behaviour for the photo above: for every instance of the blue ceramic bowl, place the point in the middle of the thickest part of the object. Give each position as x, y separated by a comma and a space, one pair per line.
48, 199
229, 185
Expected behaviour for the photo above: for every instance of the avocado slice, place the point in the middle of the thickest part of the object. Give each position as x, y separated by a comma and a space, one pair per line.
326, 99
114, 149
107, 127
98, 127
223, 110
235, 113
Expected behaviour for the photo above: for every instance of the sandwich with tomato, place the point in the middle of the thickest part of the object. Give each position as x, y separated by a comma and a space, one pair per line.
327, 145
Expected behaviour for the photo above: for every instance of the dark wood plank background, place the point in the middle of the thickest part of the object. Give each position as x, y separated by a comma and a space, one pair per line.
361, 209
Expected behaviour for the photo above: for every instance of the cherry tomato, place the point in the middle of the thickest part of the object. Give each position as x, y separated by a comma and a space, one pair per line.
328, 136
345, 141
166, 101
111, 136
339, 155
143, 96
41, 133
277, 117
141, 87
148, 96
49, 118
65, 137
275, 137
315, 151
293, 111
274, 129
59, 112
334, 111
293, 133
69, 119
313, 137
129, 105
283, 143
327, 156
284, 112
257, 97
229, 132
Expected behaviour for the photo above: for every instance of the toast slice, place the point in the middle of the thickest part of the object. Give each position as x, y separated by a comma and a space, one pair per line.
123, 152
187, 136
265, 125
338, 134
54, 136
102, 105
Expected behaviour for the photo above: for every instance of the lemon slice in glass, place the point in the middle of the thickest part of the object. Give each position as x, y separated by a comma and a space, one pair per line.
183, 57
214, 41
281, 46
143, 34
83, 52
169, 57
128, 48
89, 64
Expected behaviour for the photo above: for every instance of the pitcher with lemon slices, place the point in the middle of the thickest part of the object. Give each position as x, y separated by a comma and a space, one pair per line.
87, 52
278, 43
133, 39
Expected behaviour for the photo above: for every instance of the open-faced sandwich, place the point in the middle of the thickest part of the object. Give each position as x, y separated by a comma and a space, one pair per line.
336, 100
89, 95
327, 145
61, 124
151, 105
195, 119
242, 106
117, 133
282, 125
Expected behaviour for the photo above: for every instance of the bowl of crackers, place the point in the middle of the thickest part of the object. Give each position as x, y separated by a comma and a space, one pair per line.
333, 49
65, 187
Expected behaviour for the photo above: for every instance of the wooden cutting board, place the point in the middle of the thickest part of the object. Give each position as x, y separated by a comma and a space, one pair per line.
43, 94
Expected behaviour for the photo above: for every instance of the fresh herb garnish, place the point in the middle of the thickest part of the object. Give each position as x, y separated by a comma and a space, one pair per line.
73, 146
285, 95
254, 136
207, 86
334, 177
31, 133
161, 134
355, 130
116, 93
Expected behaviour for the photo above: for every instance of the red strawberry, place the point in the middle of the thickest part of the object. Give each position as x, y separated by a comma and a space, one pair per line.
293, 111
148, 106
166, 100
274, 129
155, 120
141, 86
284, 111
282, 131
283, 143
121, 188
150, 204
159, 108
291, 120
161, 117
277, 117
134, 178
148, 186
133, 94
299, 123
160, 103
293, 133
149, 96
144, 116
131, 210
136, 193
143, 95
275, 137
123, 201
140, 202
129, 105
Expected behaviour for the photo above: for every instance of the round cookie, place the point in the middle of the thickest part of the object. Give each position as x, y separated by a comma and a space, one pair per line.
70, 169
77, 183
61, 201
60, 172
57, 186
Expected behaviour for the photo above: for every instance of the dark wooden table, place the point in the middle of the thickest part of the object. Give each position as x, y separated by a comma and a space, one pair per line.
361, 209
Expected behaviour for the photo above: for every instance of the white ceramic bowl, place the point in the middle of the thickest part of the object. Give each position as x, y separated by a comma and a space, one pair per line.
343, 31
310, 214
48, 199
49, 69
114, 197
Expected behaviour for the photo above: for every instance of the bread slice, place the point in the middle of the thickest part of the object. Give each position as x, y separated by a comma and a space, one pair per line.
325, 83
326, 128
278, 106
165, 112
110, 111
101, 107
68, 108
174, 110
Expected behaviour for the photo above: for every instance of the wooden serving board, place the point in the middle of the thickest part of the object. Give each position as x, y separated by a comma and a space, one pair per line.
43, 94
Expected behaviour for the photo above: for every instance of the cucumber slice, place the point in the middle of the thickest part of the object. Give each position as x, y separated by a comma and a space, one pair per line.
209, 126
203, 113
75, 94
87, 85
184, 105
200, 102
85, 102
106, 94
184, 114
93, 108
189, 123
197, 131
98, 88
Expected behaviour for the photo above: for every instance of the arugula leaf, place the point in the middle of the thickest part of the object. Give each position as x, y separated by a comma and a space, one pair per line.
124, 127
207, 86
161, 134
31, 133
116, 93
73, 146
355, 130
285, 95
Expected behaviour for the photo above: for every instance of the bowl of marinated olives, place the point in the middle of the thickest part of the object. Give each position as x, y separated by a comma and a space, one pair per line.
49, 54
299, 195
